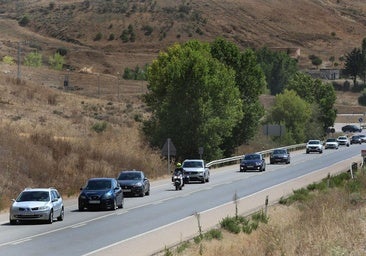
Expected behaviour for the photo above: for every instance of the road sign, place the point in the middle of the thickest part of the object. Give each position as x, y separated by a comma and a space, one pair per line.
168, 148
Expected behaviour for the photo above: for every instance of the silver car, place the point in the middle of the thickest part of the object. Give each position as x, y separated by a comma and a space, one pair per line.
37, 204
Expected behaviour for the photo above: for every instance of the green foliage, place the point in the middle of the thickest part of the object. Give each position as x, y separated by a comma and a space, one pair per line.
278, 68
293, 112
194, 100
24, 21
33, 59
354, 64
98, 36
213, 234
128, 34
111, 37
260, 217
315, 60
8, 60
148, 30
99, 127
321, 95
167, 252
250, 79
300, 195
56, 61
183, 246
135, 74
230, 224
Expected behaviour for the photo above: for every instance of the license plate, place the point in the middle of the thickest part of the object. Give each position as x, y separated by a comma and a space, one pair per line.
94, 202
250, 166
126, 190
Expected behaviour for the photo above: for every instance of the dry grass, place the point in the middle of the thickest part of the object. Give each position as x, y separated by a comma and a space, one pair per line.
328, 224
47, 139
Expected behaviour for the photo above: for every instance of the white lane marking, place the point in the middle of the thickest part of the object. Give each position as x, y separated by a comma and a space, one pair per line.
21, 241
216, 207
78, 225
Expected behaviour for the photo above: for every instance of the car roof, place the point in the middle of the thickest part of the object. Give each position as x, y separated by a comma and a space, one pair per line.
38, 189
101, 179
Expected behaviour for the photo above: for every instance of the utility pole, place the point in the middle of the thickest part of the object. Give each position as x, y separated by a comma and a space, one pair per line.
19, 76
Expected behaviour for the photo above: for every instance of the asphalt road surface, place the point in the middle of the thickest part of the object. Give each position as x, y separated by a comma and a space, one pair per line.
148, 224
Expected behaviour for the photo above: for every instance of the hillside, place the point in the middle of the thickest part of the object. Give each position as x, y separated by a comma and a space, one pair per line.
91, 31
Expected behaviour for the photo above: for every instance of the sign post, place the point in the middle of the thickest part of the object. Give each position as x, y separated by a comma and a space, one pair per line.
168, 150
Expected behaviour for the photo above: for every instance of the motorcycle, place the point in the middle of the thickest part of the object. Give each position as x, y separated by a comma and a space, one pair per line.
178, 180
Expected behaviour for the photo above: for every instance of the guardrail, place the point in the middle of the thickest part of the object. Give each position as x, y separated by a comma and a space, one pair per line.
236, 159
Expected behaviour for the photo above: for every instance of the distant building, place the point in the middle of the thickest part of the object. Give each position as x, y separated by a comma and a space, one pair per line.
325, 73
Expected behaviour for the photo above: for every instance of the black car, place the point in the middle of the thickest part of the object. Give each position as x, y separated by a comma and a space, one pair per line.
280, 155
351, 128
134, 183
103, 193
253, 162
356, 139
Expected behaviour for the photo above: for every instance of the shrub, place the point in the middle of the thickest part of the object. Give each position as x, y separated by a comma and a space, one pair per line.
230, 224
111, 37
33, 59
182, 247
24, 21
56, 61
213, 234
62, 51
8, 60
260, 217
98, 36
148, 30
99, 127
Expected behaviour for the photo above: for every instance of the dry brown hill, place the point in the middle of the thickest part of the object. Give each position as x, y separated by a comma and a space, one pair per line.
91, 30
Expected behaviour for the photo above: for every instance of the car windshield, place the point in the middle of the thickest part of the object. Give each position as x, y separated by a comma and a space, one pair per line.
252, 157
192, 164
331, 140
342, 138
130, 176
314, 142
42, 196
98, 185
279, 151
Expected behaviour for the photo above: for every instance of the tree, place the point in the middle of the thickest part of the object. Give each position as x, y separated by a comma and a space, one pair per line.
354, 63
278, 68
315, 60
292, 112
56, 61
33, 59
314, 91
194, 100
250, 79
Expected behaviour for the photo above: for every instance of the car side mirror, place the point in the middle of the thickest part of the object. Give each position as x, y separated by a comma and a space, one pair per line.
13, 200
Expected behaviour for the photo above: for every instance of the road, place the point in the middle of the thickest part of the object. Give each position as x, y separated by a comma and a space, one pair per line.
146, 225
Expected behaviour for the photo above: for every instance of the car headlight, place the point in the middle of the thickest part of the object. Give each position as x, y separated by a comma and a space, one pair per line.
108, 194
138, 184
82, 197
44, 208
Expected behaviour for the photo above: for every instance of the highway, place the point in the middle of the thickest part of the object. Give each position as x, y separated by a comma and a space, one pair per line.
106, 232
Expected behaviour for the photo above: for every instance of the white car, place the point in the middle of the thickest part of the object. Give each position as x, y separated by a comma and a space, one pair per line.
343, 141
314, 146
37, 204
331, 143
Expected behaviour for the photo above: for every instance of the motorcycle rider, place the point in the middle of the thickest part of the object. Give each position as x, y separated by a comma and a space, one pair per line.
179, 172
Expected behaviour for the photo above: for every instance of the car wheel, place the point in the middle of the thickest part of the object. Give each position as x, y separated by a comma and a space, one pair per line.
50, 217
13, 222
81, 208
142, 194
321, 152
62, 213
115, 207
148, 192
203, 180
121, 204
307, 152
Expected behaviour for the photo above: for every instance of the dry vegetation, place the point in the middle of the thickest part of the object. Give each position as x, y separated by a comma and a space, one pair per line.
47, 136
331, 222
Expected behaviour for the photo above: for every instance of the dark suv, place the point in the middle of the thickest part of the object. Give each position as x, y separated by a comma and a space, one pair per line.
351, 128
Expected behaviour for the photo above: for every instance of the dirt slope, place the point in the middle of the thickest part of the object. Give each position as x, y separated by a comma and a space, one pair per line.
322, 27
